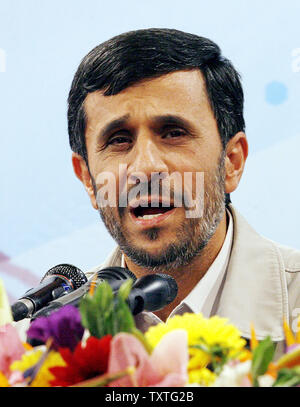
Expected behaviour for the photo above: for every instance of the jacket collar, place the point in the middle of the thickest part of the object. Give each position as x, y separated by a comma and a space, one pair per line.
255, 289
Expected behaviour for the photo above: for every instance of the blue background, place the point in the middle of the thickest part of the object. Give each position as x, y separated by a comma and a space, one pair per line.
46, 217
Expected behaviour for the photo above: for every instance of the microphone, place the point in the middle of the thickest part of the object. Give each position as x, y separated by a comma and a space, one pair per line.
114, 276
152, 292
58, 281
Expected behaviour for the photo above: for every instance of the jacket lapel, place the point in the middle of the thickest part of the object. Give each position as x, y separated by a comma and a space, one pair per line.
255, 289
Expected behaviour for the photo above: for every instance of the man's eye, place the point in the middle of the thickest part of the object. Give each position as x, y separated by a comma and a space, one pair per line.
119, 140
174, 133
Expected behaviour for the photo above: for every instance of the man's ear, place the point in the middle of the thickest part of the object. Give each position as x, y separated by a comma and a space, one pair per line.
236, 155
82, 172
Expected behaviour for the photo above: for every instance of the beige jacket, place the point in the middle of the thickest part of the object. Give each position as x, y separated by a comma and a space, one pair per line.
262, 283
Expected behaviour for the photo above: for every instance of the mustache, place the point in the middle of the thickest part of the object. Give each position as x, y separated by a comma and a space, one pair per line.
146, 196
143, 194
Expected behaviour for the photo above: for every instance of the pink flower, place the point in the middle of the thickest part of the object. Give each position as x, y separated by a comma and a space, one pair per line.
165, 367
11, 347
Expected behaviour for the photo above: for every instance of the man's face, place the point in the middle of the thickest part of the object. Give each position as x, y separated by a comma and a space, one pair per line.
159, 126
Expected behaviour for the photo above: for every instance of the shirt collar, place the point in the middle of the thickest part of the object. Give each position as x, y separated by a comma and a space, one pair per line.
204, 296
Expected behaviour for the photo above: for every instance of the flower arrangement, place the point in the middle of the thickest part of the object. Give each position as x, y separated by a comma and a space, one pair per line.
98, 345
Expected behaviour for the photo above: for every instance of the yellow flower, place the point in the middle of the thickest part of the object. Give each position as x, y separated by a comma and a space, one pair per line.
203, 376
3, 380
292, 357
43, 376
28, 360
212, 331
289, 337
206, 332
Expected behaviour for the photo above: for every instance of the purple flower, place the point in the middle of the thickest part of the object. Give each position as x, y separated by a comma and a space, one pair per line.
63, 326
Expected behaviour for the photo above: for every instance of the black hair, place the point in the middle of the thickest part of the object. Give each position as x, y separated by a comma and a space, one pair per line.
148, 53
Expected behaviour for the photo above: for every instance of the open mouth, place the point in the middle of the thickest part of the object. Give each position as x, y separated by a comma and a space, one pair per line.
144, 214
150, 213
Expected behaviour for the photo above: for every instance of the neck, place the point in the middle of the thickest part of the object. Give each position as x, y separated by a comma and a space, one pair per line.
187, 277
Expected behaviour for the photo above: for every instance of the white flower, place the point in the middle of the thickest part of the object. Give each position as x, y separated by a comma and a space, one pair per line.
233, 375
265, 381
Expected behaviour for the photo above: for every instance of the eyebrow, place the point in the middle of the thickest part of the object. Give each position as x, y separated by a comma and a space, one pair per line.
157, 121
113, 125
173, 120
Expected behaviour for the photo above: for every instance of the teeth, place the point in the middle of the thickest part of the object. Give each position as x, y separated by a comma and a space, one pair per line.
149, 216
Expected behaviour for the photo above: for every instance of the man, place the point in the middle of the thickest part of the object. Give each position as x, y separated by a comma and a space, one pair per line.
158, 102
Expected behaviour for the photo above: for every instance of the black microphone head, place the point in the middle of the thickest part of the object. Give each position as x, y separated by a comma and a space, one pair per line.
74, 276
115, 276
152, 292
116, 273
172, 285
56, 282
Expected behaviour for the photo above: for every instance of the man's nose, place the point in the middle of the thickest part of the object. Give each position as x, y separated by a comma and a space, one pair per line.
147, 159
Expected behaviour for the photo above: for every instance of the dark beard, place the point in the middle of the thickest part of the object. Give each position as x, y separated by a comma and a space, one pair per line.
192, 235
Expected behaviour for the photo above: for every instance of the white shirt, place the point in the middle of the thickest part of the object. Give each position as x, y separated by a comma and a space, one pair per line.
205, 296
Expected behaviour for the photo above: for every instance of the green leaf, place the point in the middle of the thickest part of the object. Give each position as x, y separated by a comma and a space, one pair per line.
125, 289
103, 296
124, 316
288, 378
105, 312
262, 356
88, 317
139, 335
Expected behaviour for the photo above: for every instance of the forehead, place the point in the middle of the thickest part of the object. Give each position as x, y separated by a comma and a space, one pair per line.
181, 93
